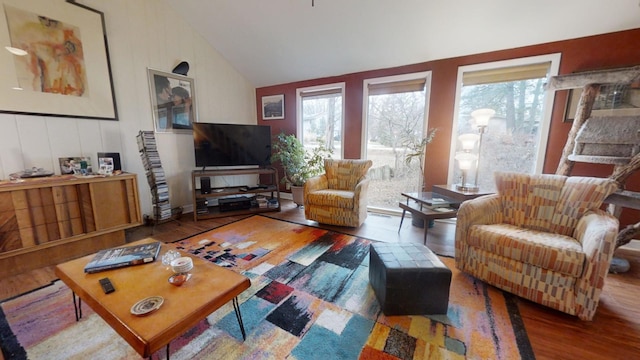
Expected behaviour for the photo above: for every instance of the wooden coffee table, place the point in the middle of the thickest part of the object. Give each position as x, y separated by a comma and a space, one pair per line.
209, 288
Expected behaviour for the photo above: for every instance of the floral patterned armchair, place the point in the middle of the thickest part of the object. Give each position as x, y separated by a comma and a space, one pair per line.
541, 237
339, 196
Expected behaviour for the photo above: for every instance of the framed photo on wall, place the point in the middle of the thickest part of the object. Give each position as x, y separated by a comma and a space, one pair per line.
57, 60
273, 107
573, 98
173, 101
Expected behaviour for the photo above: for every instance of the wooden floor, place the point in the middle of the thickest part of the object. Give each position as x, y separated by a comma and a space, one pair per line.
613, 334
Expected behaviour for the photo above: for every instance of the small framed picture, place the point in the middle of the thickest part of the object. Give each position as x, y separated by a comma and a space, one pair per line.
106, 166
273, 107
75, 165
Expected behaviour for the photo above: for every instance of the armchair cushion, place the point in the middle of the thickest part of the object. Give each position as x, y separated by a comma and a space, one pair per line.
549, 251
337, 198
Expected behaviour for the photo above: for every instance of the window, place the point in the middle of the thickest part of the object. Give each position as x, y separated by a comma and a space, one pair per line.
320, 117
516, 136
396, 116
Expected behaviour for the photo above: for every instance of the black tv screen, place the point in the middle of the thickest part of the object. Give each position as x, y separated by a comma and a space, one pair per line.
231, 144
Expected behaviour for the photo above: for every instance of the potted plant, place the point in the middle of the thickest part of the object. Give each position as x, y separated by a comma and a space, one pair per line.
298, 164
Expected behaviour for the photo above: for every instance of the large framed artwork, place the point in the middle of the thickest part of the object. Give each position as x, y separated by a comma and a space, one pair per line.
173, 101
54, 60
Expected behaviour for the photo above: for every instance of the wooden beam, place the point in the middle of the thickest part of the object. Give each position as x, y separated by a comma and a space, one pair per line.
581, 79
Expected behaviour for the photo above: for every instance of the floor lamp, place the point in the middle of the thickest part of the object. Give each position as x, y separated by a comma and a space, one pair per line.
466, 158
481, 117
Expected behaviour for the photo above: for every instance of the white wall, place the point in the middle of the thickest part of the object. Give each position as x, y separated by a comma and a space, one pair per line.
141, 34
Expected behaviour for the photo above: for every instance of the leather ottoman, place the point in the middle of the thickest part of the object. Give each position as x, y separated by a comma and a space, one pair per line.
408, 279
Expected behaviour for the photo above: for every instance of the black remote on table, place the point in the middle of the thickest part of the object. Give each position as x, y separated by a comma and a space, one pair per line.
107, 286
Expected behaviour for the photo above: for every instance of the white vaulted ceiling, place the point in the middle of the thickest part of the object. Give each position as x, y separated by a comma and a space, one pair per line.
279, 41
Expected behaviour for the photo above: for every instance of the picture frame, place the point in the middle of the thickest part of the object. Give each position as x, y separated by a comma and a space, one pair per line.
77, 83
611, 97
105, 165
75, 165
273, 107
117, 166
173, 102
573, 98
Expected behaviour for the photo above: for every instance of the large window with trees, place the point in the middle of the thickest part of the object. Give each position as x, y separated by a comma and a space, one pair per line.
515, 138
395, 125
320, 117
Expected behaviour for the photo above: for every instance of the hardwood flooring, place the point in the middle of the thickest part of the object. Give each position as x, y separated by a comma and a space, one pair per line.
613, 334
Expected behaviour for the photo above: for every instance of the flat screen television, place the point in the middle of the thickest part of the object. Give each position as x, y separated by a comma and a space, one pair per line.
231, 144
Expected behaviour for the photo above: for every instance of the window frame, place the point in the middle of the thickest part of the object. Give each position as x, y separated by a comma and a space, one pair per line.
426, 75
299, 98
545, 124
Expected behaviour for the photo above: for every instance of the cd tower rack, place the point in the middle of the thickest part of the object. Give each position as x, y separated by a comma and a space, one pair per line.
155, 176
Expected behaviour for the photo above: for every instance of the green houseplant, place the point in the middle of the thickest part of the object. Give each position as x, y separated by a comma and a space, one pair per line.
417, 151
298, 164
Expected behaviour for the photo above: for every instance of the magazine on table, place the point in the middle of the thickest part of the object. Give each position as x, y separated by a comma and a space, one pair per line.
123, 256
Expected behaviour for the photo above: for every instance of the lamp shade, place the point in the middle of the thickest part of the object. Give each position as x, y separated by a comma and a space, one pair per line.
482, 116
465, 160
468, 141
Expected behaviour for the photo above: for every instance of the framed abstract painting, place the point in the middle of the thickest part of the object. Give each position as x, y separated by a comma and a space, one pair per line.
55, 60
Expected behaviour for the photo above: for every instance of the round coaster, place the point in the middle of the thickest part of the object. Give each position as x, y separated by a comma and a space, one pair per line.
147, 305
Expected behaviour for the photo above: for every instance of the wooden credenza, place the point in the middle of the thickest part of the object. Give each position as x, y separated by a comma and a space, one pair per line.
45, 221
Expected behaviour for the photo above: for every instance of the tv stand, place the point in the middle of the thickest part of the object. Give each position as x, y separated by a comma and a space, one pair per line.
202, 208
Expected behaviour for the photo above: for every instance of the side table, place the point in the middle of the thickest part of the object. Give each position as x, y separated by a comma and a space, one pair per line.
421, 204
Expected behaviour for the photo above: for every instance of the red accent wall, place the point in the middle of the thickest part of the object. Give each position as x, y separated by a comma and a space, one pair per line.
613, 50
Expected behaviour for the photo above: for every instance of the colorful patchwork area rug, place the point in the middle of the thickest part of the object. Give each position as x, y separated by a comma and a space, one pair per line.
310, 299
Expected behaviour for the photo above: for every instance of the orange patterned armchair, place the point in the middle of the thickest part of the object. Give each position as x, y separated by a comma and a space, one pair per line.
339, 196
541, 237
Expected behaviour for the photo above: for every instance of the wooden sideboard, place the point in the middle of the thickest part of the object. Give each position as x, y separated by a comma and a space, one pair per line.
45, 221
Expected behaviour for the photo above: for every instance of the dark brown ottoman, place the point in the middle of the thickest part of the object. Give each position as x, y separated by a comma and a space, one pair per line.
408, 279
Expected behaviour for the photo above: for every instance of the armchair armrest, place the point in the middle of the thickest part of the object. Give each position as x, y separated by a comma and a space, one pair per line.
597, 232
316, 183
485, 209
360, 192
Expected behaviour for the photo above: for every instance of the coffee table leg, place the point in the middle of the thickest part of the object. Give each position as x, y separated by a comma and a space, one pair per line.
402, 219
426, 229
236, 307
77, 307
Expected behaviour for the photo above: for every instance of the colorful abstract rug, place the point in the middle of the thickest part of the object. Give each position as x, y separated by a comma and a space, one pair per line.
310, 299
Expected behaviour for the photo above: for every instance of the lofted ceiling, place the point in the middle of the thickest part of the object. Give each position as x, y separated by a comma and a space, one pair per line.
274, 42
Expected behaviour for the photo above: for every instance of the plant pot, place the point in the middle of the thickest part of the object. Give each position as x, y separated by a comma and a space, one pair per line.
419, 222
297, 192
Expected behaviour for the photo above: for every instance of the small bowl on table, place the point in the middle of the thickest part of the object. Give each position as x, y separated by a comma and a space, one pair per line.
179, 278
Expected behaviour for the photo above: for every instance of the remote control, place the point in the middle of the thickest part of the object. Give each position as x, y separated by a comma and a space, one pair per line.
107, 286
